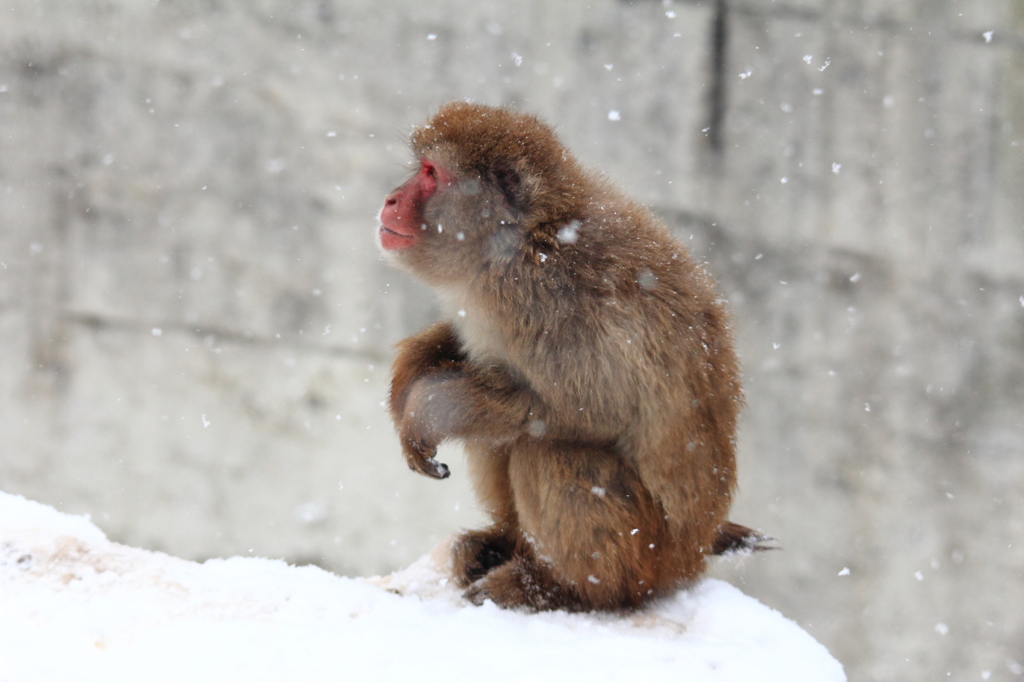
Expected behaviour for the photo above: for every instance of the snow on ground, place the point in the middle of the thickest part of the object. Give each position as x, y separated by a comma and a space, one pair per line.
75, 606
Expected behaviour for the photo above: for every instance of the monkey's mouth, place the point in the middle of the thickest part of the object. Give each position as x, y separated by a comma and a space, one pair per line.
391, 240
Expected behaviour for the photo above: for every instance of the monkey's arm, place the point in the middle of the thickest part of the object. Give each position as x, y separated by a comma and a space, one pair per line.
434, 350
467, 402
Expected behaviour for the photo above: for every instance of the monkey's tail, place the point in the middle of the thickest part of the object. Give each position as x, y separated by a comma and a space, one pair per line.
733, 538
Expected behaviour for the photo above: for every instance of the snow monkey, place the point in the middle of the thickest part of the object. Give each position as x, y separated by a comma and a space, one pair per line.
586, 363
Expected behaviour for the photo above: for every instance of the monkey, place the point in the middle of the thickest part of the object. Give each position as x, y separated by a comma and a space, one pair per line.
586, 362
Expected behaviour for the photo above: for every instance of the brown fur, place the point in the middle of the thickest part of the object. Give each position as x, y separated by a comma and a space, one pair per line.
592, 376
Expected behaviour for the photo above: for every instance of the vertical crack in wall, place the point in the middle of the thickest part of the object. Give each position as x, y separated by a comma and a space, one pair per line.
716, 95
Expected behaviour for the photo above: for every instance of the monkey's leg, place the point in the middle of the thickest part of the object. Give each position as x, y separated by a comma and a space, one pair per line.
476, 552
523, 582
597, 539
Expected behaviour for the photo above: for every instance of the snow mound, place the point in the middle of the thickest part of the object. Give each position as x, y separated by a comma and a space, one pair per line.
75, 606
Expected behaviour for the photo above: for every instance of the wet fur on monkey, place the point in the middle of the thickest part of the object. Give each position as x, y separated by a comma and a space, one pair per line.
586, 363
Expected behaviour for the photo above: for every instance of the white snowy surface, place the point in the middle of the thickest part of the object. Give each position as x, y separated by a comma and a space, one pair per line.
75, 606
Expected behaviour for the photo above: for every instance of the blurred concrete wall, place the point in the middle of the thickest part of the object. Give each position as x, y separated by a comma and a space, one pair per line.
196, 329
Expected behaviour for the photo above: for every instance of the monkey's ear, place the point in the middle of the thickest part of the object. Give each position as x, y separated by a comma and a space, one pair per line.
510, 183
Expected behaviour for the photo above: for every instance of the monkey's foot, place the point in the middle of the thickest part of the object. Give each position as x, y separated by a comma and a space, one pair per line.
519, 583
477, 552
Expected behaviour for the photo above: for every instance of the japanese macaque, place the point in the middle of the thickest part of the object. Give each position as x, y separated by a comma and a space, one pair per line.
586, 364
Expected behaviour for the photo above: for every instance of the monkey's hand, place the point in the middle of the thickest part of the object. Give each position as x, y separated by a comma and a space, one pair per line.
425, 422
469, 402
420, 458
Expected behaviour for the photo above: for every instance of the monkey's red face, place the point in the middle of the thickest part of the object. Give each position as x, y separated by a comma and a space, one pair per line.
402, 221
446, 224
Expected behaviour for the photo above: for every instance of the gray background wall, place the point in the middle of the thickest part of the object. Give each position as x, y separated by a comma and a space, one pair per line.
196, 329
